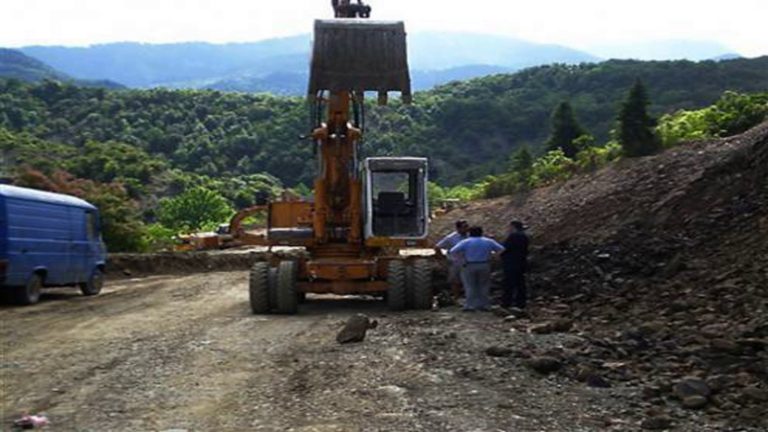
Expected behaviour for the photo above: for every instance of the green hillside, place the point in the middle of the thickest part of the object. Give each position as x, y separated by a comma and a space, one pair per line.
15, 64
126, 150
468, 129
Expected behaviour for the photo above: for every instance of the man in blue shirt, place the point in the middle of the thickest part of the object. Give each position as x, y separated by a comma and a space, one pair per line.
477, 252
454, 263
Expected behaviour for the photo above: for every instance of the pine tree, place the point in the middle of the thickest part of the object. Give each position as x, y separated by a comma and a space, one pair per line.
565, 129
521, 160
636, 127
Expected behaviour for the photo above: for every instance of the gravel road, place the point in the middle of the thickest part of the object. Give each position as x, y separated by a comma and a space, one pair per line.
185, 353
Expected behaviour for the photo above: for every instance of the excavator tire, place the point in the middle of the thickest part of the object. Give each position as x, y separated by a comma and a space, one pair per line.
287, 295
397, 292
420, 284
272, 286
258, 288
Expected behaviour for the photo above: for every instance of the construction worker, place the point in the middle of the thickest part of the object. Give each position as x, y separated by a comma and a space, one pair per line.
477, 252
515, 264
454, 264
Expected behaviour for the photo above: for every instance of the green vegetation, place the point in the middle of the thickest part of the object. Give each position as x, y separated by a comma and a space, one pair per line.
194, 209
565, 131
636, 132
133, 149
732, 114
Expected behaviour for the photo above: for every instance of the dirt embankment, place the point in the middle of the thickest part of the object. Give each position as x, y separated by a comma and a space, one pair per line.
662, 263
121, 265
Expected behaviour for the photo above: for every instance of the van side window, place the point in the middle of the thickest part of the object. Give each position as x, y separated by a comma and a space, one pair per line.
90, 225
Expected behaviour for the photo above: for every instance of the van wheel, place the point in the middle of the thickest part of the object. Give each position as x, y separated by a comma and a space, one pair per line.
30, 293
94, 284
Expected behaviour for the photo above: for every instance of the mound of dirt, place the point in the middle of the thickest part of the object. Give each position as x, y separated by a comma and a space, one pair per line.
662, 264
131, 265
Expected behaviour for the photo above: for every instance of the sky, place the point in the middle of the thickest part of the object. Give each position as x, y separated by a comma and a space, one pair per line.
739, 25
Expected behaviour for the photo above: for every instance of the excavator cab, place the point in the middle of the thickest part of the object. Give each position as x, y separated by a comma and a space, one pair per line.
395, 198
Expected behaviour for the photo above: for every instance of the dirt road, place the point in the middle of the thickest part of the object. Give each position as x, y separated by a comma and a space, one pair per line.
185, 353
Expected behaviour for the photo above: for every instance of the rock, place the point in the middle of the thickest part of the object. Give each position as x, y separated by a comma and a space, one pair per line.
695, 402
445, 299
691, 386
544, 328
355, 329
520, 313
726, 345
651, 392
753, 343
545, 364
656, 423
755, 394
556, 326
500, 311
127, 272
498, 351
595, 380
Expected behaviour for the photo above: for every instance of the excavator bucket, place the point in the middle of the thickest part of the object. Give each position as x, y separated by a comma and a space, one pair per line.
360, 55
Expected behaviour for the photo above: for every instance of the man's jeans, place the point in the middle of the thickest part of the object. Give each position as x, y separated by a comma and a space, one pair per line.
477, 285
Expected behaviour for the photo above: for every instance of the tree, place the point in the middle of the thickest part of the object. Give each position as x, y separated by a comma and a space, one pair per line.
565, 130
522, 160
121, 224
636, 128
194, 209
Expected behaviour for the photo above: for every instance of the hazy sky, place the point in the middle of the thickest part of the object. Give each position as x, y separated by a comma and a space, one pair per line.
738, 24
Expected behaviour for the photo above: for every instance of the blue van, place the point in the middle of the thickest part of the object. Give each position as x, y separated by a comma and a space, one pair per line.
48, 239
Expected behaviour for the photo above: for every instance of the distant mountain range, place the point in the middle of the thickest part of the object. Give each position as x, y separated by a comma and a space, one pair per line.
16, 64
280, 65
669, 49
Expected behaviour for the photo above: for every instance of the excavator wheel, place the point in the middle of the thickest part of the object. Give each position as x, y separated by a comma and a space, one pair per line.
420, 284
287, 295
258, 288
272, 286
397, 292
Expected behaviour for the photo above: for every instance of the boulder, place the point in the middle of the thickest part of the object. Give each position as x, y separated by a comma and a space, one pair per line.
695, 402
691, 386
355, 329
498, 351
545, 364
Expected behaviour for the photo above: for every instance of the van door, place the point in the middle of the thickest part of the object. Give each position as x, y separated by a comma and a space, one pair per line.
78, 249
38, 238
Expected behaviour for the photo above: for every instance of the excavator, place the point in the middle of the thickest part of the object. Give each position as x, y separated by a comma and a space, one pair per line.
364, 212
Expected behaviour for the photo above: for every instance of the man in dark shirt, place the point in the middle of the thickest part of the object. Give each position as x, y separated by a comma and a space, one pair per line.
515, 262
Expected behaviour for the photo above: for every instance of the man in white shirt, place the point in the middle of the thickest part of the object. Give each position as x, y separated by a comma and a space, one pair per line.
477, 252
455, 263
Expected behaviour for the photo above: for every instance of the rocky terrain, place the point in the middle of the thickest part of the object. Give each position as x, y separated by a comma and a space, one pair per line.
661, 266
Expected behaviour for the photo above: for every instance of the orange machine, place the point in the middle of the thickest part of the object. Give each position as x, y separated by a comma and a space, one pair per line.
364, 211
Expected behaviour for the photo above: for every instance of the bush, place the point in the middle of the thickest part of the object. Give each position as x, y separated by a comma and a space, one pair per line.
193, 210
552, 167
733, 113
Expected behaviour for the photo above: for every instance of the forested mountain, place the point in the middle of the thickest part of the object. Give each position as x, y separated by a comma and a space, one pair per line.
15, 64
280, 65
466, 128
